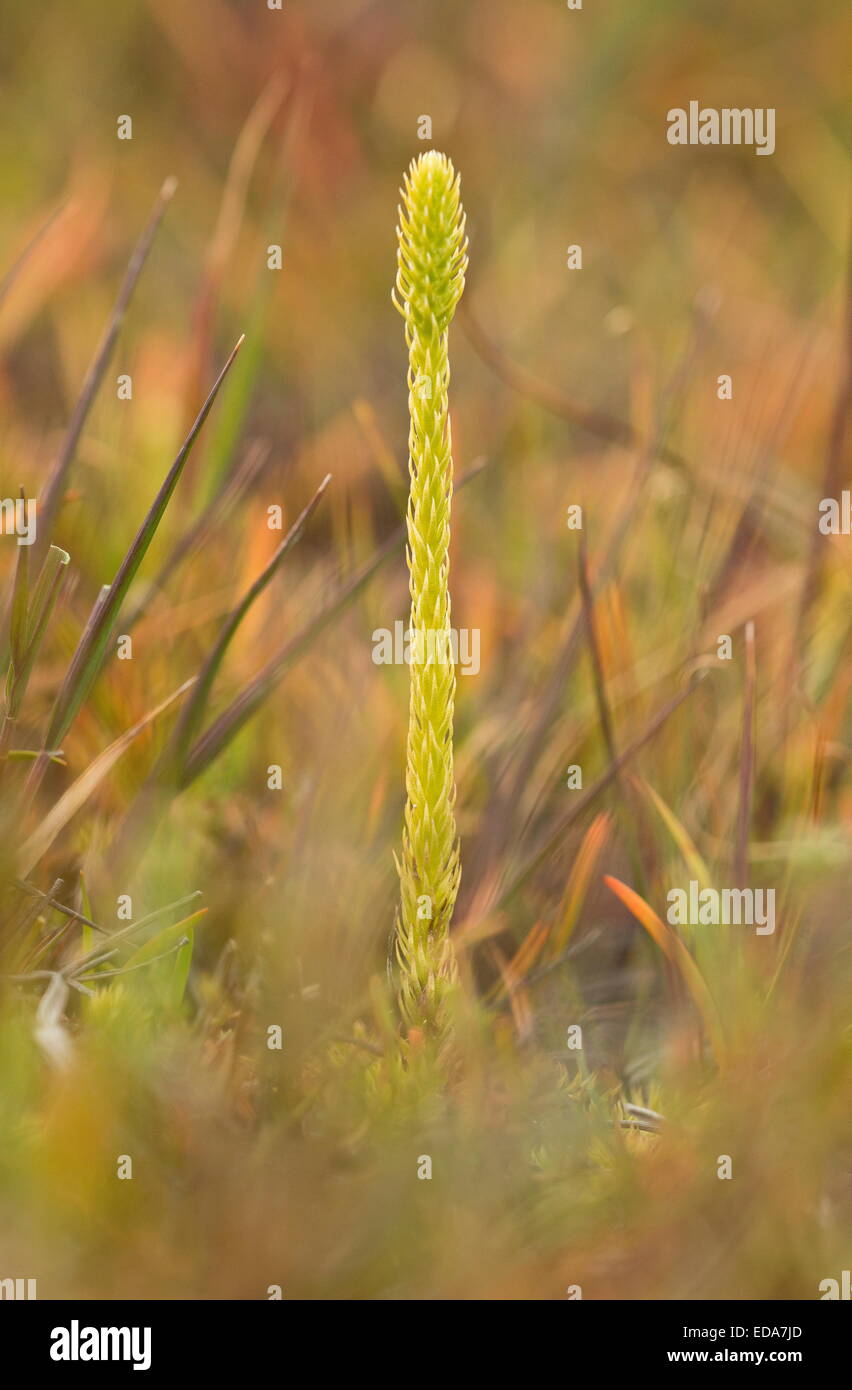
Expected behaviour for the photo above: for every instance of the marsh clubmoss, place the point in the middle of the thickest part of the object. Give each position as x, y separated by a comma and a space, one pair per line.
432, 259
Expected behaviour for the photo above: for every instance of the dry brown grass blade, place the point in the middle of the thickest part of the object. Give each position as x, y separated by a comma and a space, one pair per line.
511, 987
17, 266
51, 496
499, 897
555, 402
231, 213
243, 160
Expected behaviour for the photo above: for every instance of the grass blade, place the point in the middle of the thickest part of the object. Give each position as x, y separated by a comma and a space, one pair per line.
28, 624
89, 655
92, 958
746, 777
578, 883
675, 952
235, 487
193, 713
20, 605
52, 494
80, 790
45, 595
556, 836
680, 835
174, 942
532, 388
44, 600
15, 269
229, 723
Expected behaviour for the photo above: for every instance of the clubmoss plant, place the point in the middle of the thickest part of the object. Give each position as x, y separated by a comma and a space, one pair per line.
432, 259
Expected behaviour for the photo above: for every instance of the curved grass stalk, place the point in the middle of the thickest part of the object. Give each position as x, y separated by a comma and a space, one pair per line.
432, 260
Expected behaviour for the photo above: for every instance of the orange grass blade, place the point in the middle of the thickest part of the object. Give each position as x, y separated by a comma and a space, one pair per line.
675, 951
578, 881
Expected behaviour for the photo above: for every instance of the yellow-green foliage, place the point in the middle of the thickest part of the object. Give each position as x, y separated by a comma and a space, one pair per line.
432, 262
275, 1118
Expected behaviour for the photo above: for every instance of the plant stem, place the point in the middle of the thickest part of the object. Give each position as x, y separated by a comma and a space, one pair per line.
430, 280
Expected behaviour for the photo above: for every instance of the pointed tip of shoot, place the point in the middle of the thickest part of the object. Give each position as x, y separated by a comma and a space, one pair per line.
231, 355
432, 250
432, 159
169, 188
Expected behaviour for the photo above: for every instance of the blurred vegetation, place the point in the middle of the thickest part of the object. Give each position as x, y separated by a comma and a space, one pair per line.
255, 908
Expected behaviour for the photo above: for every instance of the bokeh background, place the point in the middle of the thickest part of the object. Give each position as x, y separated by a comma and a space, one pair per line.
594, 387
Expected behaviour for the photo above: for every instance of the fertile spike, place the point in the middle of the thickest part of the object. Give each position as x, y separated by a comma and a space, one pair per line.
432, 260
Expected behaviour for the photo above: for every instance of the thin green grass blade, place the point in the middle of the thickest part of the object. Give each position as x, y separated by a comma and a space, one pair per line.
168, 954
90, 652
29, 619
87, 939
17, 646
680, 835
92, 958
229, 428
45, 592
174, 757
20, 604
245, 705
45, 596
237, 484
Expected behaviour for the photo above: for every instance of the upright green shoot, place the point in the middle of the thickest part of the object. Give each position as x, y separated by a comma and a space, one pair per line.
432, 260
